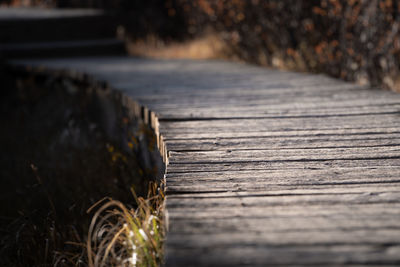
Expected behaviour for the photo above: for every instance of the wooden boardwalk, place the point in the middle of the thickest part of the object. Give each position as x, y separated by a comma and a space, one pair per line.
267, 167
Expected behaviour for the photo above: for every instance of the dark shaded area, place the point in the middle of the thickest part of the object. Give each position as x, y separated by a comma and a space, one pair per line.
166, 18
57, 29
26, 33
66, 144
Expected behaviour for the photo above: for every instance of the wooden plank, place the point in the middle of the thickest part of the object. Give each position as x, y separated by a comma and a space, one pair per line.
262, 112
380, 236
265, 105
187, 225
350, 131
240, 201
269, 101
252, 185
277, 142
279, 165
314, 154
298, 177
281, 124
261, 180
351, 210
334, 255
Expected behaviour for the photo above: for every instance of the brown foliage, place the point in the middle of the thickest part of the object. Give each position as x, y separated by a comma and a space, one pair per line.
355, 40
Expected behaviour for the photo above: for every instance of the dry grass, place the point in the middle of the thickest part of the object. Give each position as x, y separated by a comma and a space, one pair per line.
209, 46
122, 236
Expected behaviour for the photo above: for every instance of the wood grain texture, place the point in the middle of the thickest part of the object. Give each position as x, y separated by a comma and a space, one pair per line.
267, 168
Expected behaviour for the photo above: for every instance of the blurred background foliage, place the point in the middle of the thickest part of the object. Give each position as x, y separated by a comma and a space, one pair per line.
356, 40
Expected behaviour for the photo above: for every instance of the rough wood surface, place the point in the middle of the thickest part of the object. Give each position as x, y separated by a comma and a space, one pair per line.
267, 168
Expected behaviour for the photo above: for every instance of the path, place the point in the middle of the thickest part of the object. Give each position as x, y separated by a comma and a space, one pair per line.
268, 167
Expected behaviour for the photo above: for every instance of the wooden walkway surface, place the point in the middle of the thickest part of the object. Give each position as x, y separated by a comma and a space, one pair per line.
268, 167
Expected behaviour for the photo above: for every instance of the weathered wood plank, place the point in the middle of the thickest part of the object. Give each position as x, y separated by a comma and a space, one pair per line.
280, 124
177, 114
250, 185
261, 202
380, 236
373, 210
350, 131
274, 142
290, 255
331, 223
293, 165
314, 154
261, 180
339, 97
269, 100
